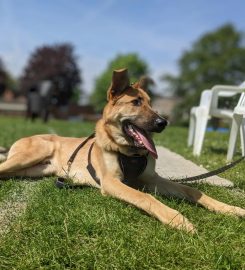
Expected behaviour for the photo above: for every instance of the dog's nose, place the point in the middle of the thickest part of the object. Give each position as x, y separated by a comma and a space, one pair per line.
160, 124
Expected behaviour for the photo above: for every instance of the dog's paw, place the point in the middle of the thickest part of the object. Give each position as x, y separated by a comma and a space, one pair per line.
234, 211
188, 227
238, 211
183, 223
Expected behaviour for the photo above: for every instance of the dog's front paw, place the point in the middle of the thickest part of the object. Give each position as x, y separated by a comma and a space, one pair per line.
188, 227
234, 211
182, 223
238, 211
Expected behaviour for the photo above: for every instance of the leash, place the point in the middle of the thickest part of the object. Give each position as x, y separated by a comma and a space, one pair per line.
60, 182
209, 174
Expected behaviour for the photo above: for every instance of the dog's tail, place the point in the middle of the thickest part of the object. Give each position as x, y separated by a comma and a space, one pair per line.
3, 153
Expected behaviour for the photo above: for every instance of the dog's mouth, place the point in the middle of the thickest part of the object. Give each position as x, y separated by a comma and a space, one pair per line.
140, 138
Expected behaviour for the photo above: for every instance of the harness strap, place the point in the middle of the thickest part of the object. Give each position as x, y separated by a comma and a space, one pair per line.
131, 167
90, 167
60, 182
72, 157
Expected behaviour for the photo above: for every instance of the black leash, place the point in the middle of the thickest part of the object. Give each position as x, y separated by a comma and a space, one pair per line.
209, 174
60, 182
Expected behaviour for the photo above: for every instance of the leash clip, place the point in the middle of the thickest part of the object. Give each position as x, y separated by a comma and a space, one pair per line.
69, 166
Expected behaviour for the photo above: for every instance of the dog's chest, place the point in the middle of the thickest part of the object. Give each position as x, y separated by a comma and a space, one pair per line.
132, 166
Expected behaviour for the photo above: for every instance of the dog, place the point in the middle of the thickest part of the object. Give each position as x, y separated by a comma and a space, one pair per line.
122, 136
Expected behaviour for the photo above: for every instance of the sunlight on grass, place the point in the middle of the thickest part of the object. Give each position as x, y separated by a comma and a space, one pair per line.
80, 229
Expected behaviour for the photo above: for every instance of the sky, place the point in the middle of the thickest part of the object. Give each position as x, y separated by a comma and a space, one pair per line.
158, 30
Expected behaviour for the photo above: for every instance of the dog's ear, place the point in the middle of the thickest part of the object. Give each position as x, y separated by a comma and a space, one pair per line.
144, 83
119, 83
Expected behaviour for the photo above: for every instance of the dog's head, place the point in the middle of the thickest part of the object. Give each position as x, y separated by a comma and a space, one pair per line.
130, 115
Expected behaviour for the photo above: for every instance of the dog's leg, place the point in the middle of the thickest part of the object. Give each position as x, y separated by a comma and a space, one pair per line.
26, 153
39, 170
20, 161
147, 203
170, 188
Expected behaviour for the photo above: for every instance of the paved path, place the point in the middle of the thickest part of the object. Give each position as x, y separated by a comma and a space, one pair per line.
171, 165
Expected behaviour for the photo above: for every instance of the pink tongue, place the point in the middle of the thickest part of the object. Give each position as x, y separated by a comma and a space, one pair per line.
148, 143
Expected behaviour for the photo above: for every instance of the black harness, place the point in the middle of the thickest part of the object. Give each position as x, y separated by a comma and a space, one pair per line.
134, 166
131, 166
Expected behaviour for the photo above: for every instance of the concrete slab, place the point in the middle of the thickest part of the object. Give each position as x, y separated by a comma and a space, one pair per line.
171, 165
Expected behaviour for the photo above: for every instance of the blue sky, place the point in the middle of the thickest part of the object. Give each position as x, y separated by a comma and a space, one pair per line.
159, 30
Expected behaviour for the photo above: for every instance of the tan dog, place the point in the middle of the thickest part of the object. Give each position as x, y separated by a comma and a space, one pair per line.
124, 130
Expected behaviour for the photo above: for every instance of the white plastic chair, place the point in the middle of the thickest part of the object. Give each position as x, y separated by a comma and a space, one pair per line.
238, 122
202, 113
209, 108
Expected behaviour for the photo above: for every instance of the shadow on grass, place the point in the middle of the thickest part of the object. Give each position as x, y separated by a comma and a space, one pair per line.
219, 151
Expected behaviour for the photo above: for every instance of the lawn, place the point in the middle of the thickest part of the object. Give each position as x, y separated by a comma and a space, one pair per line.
42, 227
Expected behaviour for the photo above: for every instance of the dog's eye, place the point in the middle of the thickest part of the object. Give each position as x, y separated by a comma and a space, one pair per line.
137, 102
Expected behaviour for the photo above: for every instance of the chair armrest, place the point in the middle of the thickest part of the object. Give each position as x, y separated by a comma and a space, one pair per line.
224, 91
205, 99
227, 90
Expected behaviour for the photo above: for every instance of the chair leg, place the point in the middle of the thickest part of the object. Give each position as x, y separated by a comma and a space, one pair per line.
242, 132
192, 130
236, 123
201, 125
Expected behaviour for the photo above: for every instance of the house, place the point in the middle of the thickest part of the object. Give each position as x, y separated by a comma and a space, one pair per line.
11, 105
165, 105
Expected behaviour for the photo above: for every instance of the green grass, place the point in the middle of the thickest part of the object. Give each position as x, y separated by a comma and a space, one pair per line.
80, 229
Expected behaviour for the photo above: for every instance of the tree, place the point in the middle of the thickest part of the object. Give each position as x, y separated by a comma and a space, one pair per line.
216, 58
3, 76
136, 67
6, 80
56, 63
